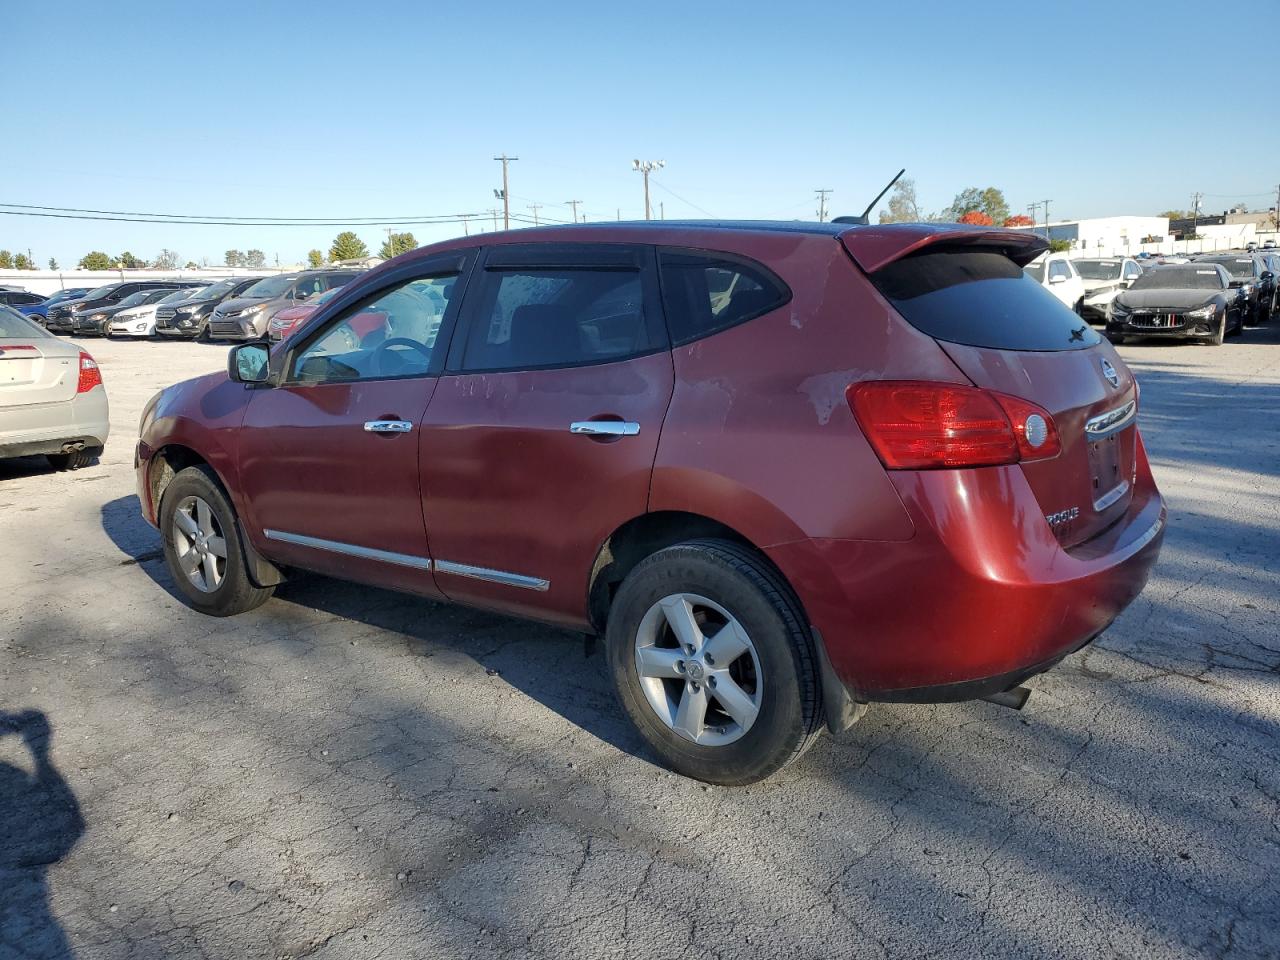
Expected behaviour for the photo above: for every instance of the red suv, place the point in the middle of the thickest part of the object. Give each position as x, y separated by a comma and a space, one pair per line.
785, 469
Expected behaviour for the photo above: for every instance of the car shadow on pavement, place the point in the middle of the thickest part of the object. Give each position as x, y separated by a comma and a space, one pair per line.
40, 822
530, 656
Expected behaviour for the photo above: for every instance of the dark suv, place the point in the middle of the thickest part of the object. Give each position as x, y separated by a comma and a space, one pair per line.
190, 318
61, 318
785, 469
1255, 283
248, 316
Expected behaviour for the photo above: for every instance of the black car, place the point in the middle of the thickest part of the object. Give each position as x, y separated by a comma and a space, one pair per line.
96, 322
61, 317
1255, 282
1191, 301
190, 318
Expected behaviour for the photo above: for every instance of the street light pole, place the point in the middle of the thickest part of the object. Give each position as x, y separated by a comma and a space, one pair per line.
644, 167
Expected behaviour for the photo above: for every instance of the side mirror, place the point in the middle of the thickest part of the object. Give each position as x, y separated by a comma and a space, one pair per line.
1268, 275
247, 363
301, 295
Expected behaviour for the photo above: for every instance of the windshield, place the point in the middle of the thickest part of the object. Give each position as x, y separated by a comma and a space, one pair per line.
14, 324
272, 286
1035, 271
1239, 267
1180, 278
326, 296
213, 291
133, 299
65, 295
1099, 269
99, 293
177, 295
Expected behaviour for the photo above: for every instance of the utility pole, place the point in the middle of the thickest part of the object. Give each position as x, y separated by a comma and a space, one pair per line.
644, 167
1031, 209
534, 207
1195, 211
574, 204
662, 210
1046, 219
391, 247
822, 203
619, 213
494, 212
463, 218
506, 204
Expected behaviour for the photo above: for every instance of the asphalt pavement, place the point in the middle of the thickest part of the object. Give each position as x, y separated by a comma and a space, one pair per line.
350, 773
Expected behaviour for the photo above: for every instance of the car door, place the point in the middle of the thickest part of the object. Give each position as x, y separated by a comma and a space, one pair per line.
540, 439
328, 459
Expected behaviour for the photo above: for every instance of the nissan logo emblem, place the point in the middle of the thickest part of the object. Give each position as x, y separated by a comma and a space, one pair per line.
1109, 372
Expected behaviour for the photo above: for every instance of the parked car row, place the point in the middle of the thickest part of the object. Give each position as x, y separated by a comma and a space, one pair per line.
1206, 297
237, 308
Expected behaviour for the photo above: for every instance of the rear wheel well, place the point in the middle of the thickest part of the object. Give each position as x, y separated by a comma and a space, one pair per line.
641, 537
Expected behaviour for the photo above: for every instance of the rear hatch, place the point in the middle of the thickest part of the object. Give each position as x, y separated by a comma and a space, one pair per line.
1008, 334
36, 370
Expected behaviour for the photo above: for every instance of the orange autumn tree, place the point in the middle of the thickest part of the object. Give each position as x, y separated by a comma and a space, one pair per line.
1019, 220
977, 218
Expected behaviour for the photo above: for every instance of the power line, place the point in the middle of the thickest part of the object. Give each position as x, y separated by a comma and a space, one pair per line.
166, 217
506, 203
667, 189
645, 167
822, 203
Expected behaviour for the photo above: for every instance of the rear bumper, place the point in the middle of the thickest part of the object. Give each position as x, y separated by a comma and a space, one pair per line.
981, 598
49, 427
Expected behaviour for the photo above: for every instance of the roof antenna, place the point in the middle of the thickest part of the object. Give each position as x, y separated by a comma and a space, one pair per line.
872, 205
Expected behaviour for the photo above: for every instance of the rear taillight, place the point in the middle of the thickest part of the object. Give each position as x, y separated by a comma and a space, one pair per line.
922, 425
90, 375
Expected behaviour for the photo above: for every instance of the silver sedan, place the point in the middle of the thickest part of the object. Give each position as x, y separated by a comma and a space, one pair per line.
52, 400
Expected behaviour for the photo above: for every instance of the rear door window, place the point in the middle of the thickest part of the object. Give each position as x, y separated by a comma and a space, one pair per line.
980, 298
540, 310
705, 294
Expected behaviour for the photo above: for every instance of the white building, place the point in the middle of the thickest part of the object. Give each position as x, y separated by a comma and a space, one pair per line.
1111, 236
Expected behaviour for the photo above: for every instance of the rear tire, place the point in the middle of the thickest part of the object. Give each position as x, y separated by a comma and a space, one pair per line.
74, 460
759, 706
202, 546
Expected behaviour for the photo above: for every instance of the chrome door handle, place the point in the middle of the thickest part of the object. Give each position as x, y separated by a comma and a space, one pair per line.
387, 426
605, 428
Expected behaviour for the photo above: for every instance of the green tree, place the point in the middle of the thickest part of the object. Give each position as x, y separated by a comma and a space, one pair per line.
95, 260
347, 246
1059, 246
129, 262
1174, 214
23, 262
990, 201
6, 260
315, 258
191, 265
53, 264
166, 259
396, 244
903, 207
255, 258
234, 258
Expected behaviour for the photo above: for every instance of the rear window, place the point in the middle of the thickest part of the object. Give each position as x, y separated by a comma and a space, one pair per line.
14, 324
706, 294
982, 299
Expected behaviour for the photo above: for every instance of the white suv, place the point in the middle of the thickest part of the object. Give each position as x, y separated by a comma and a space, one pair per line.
1058, 275
1103, 278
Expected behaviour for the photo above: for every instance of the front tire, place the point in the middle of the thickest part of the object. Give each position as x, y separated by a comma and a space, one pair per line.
202, 546
713, 662
1220, 334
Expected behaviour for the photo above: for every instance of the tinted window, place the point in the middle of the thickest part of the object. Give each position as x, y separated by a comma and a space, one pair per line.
1132, 271
1239, 267
556, 317
14, 324
1058, 269
980, 298
1035, 271
392, 335
705, 294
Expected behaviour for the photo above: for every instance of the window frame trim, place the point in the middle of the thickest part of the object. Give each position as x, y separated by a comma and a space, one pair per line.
721, 256
356, 294
644, 262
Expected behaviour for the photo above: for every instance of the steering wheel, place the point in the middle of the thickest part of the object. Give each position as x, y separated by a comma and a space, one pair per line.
382, 352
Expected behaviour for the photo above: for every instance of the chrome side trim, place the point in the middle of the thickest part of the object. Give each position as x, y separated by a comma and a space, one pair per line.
349, 549
1108, 423
493, 576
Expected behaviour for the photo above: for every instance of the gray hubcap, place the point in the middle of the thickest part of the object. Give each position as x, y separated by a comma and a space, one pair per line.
699, 669
199, 544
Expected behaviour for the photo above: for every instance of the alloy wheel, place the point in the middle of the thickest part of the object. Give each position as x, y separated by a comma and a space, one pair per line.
699, 669
199, 544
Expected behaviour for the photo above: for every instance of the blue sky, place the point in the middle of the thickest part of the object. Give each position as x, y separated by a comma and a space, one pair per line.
323, 109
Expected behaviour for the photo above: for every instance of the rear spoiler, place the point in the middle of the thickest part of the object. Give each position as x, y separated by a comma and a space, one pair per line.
874, 247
